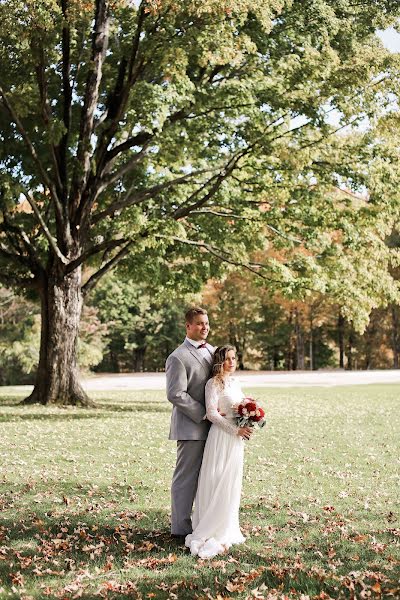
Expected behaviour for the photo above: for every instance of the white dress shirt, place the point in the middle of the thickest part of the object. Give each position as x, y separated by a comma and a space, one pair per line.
204, 352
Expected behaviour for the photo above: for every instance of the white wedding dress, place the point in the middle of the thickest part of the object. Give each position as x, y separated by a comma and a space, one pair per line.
216, 512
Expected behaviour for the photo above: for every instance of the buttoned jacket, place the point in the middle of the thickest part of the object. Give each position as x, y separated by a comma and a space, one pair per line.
187, 373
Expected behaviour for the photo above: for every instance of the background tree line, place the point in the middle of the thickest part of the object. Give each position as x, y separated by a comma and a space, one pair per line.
126, 328
180, 143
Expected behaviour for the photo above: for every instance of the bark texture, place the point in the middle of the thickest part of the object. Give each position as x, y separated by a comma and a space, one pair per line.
57, 378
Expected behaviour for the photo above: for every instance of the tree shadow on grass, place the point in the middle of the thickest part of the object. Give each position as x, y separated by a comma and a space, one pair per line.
100, 411
58, 548
12, 400
136, 406
133, 548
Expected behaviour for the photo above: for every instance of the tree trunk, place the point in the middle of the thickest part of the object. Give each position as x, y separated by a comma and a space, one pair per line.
57, 379
299, 344
340, 329
275, 359
395, 337
138, 359
372, 338
350, 365
311, 341
289, 354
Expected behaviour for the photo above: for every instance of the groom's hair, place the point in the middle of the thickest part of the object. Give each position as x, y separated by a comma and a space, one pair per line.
193, 312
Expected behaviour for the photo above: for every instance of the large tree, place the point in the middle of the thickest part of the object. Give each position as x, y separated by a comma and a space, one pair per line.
135, 130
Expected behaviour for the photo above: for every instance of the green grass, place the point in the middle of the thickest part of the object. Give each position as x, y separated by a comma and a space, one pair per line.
84, 500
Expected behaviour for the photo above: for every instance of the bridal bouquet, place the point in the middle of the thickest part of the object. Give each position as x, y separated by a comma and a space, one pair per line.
248, 413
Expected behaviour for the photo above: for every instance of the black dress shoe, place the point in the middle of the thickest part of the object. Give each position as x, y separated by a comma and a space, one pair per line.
178, 537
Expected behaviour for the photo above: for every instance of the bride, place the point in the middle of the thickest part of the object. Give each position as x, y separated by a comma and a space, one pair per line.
216, 513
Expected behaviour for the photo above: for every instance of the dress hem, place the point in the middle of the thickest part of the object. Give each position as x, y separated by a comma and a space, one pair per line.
208, 548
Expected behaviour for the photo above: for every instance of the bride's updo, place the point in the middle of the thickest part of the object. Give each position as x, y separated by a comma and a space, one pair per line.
217, 371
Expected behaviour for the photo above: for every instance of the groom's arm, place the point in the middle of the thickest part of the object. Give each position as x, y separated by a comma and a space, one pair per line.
177, 392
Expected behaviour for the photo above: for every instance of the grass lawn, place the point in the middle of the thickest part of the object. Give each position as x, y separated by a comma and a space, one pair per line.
84, 500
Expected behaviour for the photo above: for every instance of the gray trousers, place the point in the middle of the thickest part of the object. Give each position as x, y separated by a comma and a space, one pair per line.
184, 484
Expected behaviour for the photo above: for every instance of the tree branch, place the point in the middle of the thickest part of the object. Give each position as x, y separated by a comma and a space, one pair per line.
13, 281
324, 137
67, 97
106, 245
185, 208
216, 108
222, 256
45, 179
32, 261
93, 280
14, 257
119, 98
49, 237
99, 48
142, 195
123, 169
40, 70
230, 215
138, 140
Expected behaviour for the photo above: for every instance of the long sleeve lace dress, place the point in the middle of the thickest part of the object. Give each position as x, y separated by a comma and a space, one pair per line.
216, 513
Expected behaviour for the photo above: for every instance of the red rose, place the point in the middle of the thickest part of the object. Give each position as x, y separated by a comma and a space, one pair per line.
251, 406
260, 416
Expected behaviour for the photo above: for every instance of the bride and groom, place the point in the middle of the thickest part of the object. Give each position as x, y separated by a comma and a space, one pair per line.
210, 445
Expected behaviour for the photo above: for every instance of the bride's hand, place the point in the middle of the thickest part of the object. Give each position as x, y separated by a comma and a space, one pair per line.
245, 432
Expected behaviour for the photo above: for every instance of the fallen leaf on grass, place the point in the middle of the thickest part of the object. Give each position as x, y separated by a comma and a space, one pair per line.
234, 587
238, 583
331, 552
17, 578
391, 517
378, 547
151, 562
146, 547
219, 564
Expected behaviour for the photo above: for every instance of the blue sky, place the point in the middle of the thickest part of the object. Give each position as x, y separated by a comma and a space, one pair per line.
391, 39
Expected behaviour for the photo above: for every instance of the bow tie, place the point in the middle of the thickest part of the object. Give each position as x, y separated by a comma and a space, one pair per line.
202, 346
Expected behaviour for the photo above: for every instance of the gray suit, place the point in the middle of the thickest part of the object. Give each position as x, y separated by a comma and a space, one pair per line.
187, 374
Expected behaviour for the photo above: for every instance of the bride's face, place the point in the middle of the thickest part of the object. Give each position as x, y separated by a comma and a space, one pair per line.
230, 362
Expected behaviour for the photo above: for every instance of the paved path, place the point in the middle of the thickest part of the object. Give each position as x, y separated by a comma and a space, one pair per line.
156, 381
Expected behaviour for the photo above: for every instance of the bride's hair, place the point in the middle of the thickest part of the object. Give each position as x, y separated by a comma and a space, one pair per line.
218, 372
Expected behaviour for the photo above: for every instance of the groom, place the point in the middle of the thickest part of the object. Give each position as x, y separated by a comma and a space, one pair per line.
188, 369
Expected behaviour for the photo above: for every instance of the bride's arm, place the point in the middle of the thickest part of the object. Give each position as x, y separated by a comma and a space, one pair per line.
212, 410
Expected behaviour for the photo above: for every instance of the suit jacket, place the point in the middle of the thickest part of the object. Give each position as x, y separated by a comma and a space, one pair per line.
187, 374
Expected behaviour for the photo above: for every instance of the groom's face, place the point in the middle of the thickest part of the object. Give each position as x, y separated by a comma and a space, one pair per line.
198, 329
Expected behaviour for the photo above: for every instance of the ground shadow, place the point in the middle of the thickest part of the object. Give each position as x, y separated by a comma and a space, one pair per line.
143, 552
74, 540
100, 411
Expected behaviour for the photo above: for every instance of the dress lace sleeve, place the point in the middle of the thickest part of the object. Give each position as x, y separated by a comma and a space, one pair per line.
212, 410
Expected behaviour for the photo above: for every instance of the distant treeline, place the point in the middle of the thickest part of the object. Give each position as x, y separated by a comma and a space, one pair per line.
128, 328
